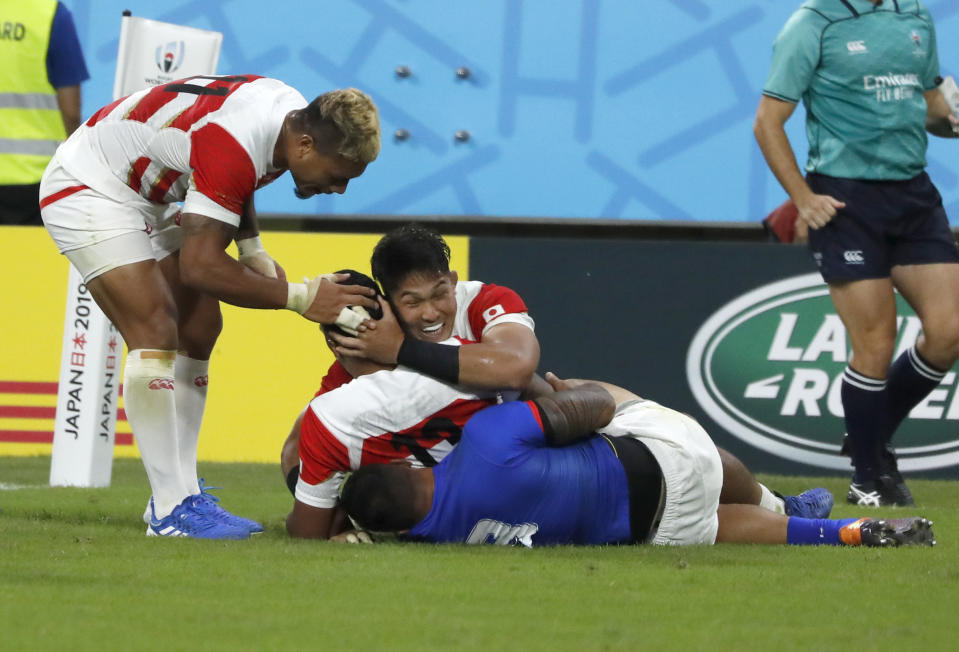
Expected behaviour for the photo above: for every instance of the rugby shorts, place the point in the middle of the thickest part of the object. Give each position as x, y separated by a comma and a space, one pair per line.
99, 232
690, 464
884, 224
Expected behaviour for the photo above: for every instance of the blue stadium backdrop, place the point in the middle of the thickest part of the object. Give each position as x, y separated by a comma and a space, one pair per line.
617, 109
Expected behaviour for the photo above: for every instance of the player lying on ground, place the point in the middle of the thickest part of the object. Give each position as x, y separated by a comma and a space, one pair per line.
368, 413
389, 414
431, 305
591, 464
109, 200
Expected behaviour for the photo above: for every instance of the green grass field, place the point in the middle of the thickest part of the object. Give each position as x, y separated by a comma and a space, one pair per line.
77, 572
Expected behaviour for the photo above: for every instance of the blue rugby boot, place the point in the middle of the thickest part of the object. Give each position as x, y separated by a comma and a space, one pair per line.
186, 521
209, 504
812, 503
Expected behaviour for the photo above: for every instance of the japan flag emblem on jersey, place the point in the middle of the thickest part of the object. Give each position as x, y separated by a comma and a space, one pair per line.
493, 312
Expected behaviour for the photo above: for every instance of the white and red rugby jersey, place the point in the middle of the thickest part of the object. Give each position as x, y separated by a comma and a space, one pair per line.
387, 415
479, 307
205, 141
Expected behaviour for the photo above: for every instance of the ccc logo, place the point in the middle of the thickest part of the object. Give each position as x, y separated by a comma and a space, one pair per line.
854, 257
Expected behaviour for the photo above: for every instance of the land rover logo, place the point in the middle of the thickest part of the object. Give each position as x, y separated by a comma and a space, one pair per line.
768, 365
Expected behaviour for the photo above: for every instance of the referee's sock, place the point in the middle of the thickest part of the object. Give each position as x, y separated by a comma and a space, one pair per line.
192, 379
910, 380
865, 403
148, 398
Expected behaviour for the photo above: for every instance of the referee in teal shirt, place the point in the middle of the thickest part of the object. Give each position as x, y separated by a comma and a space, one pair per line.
866, 71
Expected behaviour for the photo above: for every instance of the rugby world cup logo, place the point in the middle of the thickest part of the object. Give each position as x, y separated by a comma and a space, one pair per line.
768, 365
169, 56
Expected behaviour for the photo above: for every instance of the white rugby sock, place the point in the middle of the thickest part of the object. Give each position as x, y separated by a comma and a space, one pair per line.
148, 398
771, 501
191, 387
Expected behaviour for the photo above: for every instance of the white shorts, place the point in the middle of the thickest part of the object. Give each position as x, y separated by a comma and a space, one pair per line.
99, 233
692, 469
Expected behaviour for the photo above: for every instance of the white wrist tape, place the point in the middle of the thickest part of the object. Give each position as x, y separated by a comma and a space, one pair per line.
300, 296
249, 246
351, 317
253, 255
297, 297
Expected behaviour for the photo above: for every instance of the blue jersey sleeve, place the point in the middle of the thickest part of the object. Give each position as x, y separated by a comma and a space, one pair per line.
795, 56
501, 433
65, 64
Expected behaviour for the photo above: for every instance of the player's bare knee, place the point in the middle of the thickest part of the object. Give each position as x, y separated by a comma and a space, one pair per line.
197, 338
873, 360
942, 340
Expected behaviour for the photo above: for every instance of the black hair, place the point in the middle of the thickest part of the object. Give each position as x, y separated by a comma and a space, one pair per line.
380, 498
409, 249
357, 278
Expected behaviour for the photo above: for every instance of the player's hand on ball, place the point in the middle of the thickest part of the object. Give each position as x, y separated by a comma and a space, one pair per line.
353, 536
377, 340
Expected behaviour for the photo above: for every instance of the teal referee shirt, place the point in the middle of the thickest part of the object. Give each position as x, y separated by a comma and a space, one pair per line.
861, 71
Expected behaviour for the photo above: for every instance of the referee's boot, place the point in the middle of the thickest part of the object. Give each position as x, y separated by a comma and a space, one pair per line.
887, 489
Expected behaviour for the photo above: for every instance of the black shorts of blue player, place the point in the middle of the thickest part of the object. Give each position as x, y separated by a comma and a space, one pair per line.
884, 224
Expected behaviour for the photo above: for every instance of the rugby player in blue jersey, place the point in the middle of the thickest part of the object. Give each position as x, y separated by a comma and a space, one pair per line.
590, 464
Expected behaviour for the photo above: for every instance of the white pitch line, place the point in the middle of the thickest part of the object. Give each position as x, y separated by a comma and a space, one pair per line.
4, 486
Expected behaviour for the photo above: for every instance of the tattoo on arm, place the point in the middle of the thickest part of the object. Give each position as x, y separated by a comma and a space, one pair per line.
575, 414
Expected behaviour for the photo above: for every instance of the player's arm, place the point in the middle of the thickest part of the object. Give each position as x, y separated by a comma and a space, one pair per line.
250, 246
574, 414
770, 131
68, 101
505, 357
205, 266
619, 394
537, 387
940, 120
308, 522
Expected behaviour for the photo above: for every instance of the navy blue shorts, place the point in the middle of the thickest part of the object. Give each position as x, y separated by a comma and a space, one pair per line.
884, 224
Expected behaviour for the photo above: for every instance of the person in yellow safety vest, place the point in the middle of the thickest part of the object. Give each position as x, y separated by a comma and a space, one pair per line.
39, 98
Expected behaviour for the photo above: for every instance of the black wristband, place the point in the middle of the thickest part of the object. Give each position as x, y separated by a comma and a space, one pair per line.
442, 361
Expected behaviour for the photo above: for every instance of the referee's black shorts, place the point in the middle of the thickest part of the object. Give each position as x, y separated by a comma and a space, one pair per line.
884, 224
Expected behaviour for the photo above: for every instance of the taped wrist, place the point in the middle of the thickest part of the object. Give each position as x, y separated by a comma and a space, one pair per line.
297, 297
249, 246
441, 361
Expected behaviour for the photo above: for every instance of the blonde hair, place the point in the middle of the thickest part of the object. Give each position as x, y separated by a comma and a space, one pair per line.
355, 117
